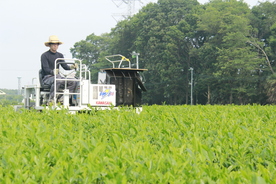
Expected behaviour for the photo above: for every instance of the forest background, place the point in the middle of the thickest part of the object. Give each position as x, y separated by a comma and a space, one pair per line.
230, 47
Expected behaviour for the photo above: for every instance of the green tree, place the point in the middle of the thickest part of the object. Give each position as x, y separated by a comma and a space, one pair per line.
263, 20
92, 51
231, 47
234, 66
163, 34
10, 98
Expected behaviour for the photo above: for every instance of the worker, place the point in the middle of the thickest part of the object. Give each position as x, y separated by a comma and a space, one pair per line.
48, 67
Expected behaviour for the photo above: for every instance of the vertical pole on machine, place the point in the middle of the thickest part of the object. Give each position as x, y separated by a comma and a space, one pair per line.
66, 98
27, 98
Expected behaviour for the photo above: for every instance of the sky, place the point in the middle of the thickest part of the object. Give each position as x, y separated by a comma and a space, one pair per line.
27, 24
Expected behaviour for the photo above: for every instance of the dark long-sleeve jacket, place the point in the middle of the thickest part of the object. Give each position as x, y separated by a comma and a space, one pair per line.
48, 62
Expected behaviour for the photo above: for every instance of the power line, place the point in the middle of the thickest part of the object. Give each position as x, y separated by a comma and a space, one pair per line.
130, 8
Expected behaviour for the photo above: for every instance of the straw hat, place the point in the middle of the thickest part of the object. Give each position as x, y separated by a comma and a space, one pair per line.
53, 39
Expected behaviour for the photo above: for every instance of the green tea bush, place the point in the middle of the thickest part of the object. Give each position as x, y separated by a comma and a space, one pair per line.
162, 144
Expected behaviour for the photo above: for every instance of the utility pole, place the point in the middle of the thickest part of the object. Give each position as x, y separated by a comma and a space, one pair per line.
191, 83
136, 55
19, 85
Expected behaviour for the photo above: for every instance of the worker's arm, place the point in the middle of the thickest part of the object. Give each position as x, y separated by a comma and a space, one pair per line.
64, 65
46, 68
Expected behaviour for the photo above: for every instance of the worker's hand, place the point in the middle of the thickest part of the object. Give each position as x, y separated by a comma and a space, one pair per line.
74, 66
56, 71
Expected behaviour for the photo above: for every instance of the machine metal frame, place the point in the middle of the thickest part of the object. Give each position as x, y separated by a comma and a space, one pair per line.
100, 96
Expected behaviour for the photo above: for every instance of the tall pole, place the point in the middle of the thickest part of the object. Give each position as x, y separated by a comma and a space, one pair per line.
19, 85
191, 83
136, 55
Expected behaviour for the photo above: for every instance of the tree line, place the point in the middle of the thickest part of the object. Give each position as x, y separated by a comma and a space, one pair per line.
230, 46
10, 97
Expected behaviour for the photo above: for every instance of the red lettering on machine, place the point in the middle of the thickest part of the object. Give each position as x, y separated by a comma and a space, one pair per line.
103, 102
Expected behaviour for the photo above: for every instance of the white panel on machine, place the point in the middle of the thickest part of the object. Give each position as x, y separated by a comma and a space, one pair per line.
85, 92
101, 77
102, 95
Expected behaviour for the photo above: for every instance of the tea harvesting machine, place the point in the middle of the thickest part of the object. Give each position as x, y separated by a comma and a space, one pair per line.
117, 86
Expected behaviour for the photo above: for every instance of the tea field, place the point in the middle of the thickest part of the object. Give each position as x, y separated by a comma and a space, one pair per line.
162, 144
